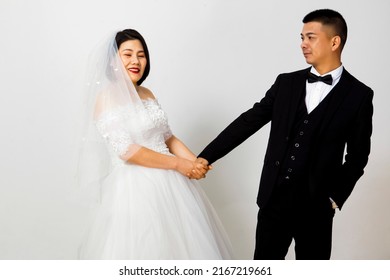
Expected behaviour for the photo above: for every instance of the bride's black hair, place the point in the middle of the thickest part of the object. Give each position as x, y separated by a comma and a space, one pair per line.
131, 34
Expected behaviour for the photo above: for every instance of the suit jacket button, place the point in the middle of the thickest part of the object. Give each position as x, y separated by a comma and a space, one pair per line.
277, 163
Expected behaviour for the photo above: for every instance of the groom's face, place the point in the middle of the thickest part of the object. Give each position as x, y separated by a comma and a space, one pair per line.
316, 43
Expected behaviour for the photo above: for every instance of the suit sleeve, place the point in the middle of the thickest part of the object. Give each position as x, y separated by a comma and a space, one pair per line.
357, 152
242, 127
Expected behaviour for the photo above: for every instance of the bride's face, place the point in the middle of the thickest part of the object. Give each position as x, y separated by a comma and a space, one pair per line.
133, 58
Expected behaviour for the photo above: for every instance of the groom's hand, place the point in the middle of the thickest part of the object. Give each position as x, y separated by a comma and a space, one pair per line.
203, 163
201, 168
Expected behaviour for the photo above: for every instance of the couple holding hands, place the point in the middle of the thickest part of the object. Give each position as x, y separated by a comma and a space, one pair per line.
150, 206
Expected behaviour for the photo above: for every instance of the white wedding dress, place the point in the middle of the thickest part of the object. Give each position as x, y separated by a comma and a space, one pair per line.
148, 213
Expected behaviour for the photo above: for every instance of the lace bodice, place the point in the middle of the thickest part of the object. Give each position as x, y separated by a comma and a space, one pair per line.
120, 131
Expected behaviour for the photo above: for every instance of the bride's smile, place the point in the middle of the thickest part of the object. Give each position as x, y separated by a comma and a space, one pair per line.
133, 58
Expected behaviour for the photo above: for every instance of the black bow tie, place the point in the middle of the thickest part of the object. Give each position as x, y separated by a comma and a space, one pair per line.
312, 78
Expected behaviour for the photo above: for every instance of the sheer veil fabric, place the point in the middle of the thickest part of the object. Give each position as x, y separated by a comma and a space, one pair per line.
108, 89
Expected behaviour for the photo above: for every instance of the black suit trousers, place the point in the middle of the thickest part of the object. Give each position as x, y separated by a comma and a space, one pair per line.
292, 215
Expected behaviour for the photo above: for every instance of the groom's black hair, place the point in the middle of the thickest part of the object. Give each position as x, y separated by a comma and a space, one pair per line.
330, 18
131, 34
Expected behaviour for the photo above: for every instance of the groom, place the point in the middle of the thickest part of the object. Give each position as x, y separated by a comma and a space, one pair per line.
315, 114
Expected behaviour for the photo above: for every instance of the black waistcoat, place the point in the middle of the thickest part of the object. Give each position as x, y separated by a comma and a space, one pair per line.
295, 166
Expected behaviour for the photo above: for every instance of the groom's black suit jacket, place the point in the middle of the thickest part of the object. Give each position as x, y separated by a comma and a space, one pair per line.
347, 122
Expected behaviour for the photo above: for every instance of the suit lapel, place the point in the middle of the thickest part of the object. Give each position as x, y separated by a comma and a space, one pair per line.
298, 91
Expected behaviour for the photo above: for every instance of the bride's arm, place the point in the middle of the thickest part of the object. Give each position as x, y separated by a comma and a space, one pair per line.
149, 158
178, 148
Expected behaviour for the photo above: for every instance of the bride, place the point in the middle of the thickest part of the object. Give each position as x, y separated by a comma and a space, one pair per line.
149, 208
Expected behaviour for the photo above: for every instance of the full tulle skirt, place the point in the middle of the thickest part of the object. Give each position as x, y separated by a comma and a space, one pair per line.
148, 213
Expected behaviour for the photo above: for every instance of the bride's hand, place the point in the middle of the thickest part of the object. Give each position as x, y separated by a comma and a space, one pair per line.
201, 168
191, 169
203, 164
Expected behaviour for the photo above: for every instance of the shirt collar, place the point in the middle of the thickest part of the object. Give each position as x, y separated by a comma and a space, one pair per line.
336, 73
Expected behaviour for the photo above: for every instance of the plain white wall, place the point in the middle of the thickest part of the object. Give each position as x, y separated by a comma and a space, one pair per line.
211, 60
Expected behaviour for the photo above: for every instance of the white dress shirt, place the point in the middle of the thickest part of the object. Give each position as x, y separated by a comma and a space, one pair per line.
316, 92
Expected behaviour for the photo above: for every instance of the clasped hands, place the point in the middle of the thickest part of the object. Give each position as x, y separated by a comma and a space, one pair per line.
200, 168
196, 169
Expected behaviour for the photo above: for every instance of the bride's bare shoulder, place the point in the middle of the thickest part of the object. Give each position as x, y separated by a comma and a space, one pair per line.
145, 93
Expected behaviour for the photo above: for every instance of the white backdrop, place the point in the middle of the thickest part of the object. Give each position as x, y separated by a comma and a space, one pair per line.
211, 60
